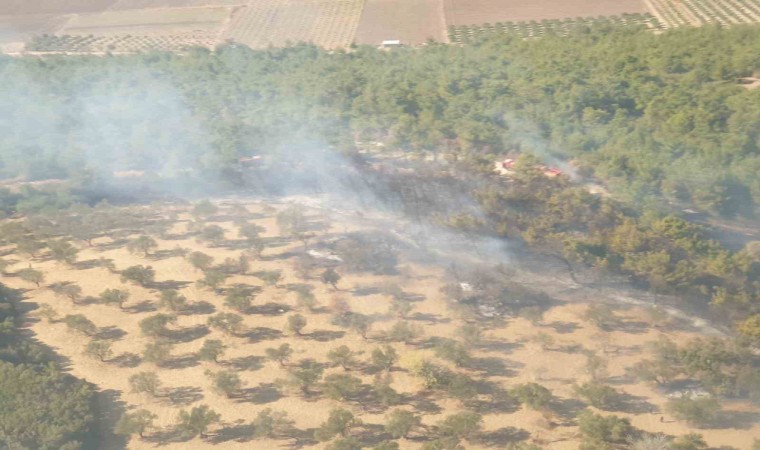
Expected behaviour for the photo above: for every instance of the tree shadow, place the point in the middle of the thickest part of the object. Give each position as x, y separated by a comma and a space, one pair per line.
261, 394
324, 335
110, 407
427, 317
181, 362
171, 435
259, 334
738, 420
372, 434
245, 363
169, 284
111, 333
491, 367
502, 436
632, 404
159, 255
184, 395
239, 432
423, 403
126, 359
141, 307
201, 307
364, 291
563, 327
567, 408
87, 264
501, 347
188, 334
269, 309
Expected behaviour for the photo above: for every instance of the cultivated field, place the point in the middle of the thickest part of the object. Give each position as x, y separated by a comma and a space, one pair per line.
533, 29
327, 23
410, 21
673, 13
405, 300
474, 12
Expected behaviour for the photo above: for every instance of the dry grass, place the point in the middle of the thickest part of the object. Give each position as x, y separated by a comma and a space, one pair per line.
507, 357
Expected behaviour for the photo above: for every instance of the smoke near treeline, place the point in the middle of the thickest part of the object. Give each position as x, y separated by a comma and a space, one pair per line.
650, 115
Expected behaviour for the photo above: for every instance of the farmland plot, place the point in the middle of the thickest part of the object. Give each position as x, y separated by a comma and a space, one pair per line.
470, 12
147, 21
703, 12
410, 21
327, 23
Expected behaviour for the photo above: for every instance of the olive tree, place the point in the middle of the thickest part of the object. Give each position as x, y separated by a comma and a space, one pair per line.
80, 323
280, 354
384, 358
139, 274
305, 375
226, 382
156, 324
147, 382
342, 356
63, 251
533, 395
32, 276
142, 244
157, 352
211, 350
72, 291
99, 349
339, 423
229, 323
135, 422
399, 423
271, 424
197, 420
114, 296
172, 300
200, 260
331, 277
296, 323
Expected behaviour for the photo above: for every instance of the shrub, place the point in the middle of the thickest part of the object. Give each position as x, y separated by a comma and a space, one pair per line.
399, 423
533, 395
197, 420
696, 411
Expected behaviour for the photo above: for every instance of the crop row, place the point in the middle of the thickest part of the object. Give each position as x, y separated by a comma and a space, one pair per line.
119, 43
525, 29
674, 13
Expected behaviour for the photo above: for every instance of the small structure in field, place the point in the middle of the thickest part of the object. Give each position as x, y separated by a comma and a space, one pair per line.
391, 43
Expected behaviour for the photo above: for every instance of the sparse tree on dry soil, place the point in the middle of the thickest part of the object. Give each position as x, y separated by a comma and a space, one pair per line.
212, 350
399, 423
138, 422
339, 423
270, 277
462, 425
213, 234
197, 420
384, 358
200, 260
229, 323
142, 275
342, 356
532, 395
238, 298
272, 424
142, 244
72, 291
341, 386
80, 323
147, 382
63, 251
157, 352
699, 412
172, 300
226, 382
280, 354
331, 277
114, 296
213, 279
296, 323
305, 375
155, 325
47, 312
691, 441
32, 276
99, 349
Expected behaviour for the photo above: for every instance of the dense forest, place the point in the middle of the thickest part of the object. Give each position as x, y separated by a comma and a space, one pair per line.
647, 114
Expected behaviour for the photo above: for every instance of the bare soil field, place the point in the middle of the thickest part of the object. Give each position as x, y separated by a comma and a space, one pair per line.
475, 12
410, 21
327, 23
507, 354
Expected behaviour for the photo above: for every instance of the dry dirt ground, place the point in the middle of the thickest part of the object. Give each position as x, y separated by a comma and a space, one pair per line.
508, 355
